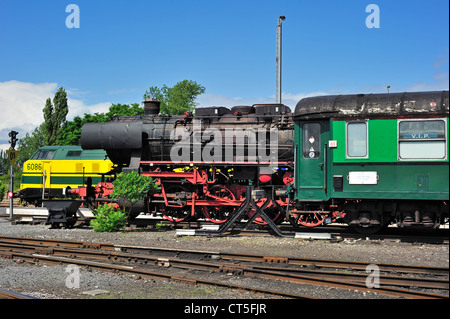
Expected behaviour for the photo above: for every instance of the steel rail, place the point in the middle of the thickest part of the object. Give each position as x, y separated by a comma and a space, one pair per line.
216, 266
7, 294
303, 262
56, 242
349, 265
34, 258
340, 280
283, 273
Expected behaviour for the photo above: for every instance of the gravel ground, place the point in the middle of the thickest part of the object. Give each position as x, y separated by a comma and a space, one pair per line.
49, 282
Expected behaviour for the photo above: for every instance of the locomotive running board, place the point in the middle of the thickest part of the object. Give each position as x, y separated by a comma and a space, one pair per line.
238, 216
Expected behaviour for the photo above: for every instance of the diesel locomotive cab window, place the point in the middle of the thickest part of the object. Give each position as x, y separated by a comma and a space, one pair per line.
43, 155
311, 140
73, 153
357, 138
422, 139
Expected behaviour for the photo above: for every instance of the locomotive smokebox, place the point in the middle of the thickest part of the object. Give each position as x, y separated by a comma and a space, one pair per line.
151, 107
112, 135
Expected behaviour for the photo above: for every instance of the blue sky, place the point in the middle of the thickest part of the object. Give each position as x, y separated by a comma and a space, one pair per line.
124, 47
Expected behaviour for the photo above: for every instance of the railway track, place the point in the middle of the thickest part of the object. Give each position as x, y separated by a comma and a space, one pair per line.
394, 280
7, 294
332, 232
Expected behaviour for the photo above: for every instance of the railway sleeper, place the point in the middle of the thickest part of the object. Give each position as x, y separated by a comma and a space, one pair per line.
183, 280
276, 260
231, 270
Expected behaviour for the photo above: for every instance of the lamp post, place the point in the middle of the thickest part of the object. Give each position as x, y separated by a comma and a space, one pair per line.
281, 18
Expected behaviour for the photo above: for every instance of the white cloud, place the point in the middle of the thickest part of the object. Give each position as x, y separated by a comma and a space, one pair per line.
438, 83
78, 108
21, 105
440, 80
4, 147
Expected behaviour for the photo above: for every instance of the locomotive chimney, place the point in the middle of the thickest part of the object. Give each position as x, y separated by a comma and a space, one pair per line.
151, 107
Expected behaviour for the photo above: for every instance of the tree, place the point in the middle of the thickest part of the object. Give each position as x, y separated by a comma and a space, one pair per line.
4, 163
177, 99
30, 143
71, 131
61, 111
124, 110
2, 190
55, 116
48, 121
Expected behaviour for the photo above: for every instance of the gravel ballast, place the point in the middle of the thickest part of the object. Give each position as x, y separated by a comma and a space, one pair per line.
50, 282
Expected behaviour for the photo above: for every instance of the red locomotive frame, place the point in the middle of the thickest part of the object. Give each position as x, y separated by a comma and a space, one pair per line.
197, 193
186, 195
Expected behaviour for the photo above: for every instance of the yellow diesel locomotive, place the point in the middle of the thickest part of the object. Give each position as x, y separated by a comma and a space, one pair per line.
52, 168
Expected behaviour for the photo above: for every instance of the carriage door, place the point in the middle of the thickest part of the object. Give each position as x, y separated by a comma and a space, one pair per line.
312, 160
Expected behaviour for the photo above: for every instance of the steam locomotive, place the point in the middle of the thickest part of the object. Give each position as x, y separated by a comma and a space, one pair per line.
201, 162
365, 159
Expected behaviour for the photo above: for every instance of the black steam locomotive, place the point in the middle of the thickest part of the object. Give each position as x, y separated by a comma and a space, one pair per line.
204, 161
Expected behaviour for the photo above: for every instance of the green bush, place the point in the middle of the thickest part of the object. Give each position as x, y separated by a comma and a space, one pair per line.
132, 187
2, 191
107, 219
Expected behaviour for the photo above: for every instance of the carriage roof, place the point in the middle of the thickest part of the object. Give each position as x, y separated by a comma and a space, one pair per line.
390, 105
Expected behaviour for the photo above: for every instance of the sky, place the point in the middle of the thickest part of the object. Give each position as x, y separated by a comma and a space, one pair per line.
121, 48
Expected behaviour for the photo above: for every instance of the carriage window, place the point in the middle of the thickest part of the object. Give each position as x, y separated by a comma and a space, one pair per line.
357, 138
422, 139
311, 140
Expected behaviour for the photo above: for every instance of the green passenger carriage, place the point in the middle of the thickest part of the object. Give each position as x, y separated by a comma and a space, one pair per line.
373, 159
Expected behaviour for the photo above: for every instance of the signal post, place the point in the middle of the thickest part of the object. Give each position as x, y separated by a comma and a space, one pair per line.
12, 156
